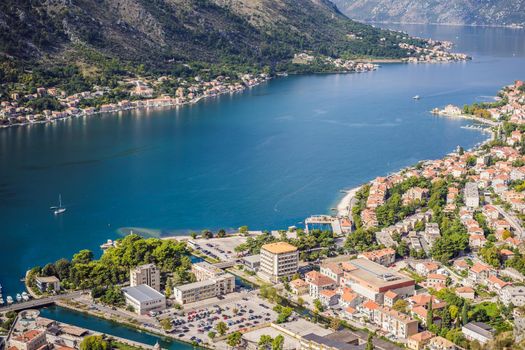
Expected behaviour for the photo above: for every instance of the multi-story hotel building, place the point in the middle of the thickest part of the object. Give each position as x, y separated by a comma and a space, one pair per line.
278, 260
145, 274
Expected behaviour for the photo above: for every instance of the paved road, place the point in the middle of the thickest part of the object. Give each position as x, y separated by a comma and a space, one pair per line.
35, 303
513, 221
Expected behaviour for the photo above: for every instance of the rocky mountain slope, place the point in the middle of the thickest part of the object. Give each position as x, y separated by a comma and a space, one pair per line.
472, 12
156, 31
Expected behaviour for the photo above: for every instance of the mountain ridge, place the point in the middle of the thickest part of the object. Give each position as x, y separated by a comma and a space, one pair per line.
458, 12
207, 30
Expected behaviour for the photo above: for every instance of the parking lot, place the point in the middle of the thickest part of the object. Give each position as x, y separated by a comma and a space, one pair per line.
222, 249
241, 314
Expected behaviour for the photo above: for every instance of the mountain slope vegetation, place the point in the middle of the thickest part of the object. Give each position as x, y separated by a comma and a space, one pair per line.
159, 31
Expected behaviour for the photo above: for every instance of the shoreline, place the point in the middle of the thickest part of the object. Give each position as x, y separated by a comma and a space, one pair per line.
119, 109
449, 24
343, 206
135, 327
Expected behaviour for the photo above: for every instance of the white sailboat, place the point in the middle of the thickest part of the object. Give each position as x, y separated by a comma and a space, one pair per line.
60, 209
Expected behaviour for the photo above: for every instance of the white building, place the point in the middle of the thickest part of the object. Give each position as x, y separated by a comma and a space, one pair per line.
145, 274
204, 271
512, 294
204, 289
47, 283
479, 331
143, 299
278, 260
471, 195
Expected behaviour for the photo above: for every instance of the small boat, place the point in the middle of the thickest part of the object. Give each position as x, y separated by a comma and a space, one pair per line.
1, 301
25, 296
417, 97
9, 300
60, 209
18, 297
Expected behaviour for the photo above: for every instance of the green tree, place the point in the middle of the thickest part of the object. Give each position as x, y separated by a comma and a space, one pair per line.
402, 249
265, 342
211, 334
166, 324
278, 342
234, 339
169, 288
369, 343
300, 301
430, 314
83, 257
318, 305
335, 323
62, 267
453, 310
221, 328
464, 314
94, 342
113, 296
400, 305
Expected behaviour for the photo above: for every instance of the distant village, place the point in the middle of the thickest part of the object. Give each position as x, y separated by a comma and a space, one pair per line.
143, 93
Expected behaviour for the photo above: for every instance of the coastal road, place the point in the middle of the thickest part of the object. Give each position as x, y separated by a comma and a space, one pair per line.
35, 303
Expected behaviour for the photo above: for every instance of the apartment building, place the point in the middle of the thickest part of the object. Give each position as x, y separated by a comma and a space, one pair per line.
385, 257
278, 260
204, 271
219, 285
145, 274
471, 195
394, 322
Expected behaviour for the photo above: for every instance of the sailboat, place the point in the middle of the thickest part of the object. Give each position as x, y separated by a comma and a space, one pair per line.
60, 209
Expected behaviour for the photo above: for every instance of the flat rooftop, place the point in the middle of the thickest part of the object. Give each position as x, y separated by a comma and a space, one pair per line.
200, 284
143, 293
279, 248
373, 275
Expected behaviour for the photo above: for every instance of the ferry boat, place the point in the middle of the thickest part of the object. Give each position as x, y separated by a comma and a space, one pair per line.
18, 297
25, 296
9, 300
60, 209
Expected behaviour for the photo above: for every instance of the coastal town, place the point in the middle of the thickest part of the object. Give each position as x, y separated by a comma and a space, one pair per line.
43, 104
430, 257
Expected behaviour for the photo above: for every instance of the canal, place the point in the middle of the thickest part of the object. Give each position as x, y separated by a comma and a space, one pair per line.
83, 320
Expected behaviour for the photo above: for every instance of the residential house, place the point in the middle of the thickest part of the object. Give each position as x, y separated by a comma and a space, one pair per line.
418, 341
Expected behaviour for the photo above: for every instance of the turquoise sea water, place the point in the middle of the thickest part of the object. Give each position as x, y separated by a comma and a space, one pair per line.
267, 157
